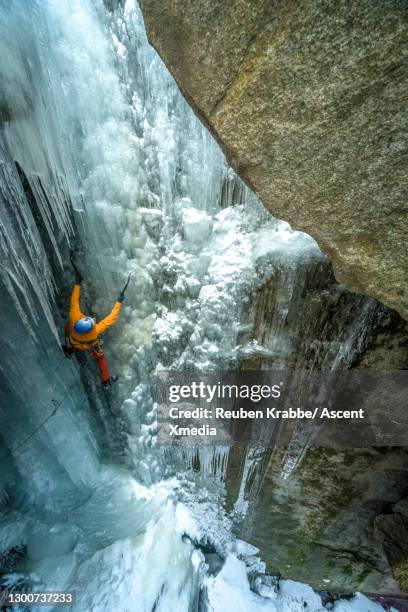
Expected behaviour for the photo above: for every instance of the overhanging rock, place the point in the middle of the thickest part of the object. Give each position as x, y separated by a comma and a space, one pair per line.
308, 100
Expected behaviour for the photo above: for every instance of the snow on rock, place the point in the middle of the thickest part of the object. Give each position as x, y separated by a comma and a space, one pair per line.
243, 549
359, 603
279, 240
229, 591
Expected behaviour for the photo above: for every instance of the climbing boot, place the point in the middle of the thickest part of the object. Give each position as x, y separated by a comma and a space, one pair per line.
107, 384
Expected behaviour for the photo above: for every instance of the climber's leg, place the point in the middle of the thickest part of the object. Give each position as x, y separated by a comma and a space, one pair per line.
102, 365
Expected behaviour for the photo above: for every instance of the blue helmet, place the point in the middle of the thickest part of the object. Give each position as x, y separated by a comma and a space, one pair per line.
84, 325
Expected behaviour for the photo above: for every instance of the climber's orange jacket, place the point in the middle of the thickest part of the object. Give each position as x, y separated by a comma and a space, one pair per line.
85, 341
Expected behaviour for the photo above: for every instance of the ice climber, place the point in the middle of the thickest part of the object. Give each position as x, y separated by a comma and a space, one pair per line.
83, 333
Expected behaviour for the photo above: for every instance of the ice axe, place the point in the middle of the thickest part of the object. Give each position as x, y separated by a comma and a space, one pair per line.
122, 293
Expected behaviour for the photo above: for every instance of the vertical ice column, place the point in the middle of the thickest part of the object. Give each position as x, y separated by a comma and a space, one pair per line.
44, 405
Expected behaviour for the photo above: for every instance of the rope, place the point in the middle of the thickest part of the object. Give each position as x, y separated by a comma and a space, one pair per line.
32, 434
57, 404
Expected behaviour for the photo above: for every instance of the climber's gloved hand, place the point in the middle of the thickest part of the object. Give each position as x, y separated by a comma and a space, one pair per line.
121, 297
67, 350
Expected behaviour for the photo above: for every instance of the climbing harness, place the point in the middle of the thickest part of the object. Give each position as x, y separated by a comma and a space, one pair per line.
95, 344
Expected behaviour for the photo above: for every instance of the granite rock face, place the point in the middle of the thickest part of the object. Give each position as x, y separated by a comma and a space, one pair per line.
325, 525
309, 101
391, 531
321, 515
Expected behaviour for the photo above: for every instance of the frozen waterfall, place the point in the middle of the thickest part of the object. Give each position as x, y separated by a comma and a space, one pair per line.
99, 152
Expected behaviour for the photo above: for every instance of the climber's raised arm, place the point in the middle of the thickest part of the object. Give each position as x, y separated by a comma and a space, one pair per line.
75, 309
110, 319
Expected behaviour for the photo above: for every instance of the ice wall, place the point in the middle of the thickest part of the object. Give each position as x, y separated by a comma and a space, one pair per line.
69, 177
89, 162
36, 221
